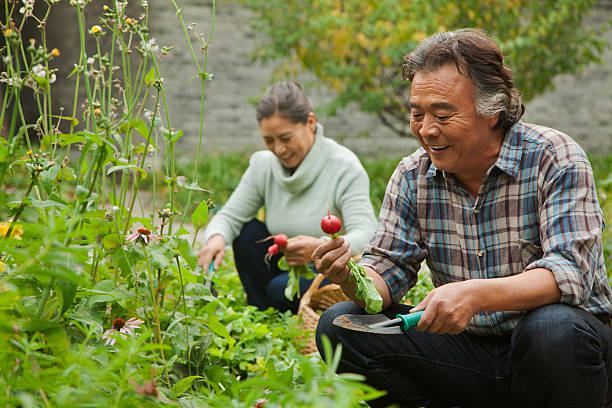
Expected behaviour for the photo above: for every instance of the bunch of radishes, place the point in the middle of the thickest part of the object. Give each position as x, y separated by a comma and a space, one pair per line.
280, 242
294, 272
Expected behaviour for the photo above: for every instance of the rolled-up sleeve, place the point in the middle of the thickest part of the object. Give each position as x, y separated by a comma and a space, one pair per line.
571, 225
394, 251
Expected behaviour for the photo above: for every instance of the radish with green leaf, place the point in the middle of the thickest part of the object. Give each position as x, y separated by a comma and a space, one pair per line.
294, 272
364, 286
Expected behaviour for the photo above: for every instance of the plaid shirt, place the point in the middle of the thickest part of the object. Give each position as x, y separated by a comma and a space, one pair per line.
537, 208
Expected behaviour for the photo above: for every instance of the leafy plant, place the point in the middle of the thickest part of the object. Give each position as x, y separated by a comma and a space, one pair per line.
356, 47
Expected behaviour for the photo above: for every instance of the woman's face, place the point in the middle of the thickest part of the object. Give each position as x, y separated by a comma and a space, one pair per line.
289, 141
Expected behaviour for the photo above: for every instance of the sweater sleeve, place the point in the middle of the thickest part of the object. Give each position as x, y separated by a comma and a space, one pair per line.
352, 198
242, 205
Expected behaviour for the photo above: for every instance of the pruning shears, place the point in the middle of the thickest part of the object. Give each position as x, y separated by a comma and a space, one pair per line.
378, 323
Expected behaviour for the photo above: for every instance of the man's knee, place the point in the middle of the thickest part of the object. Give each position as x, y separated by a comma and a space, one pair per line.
553, 332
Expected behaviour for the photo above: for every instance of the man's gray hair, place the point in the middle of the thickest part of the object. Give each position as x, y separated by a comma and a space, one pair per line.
477, 56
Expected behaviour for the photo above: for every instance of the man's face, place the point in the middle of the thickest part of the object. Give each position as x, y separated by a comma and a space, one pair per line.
443, 117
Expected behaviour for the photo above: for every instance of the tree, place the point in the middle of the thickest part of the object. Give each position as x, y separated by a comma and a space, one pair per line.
356, 47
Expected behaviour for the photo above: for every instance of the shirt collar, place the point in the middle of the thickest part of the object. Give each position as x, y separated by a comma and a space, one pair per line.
511, 151
509, 155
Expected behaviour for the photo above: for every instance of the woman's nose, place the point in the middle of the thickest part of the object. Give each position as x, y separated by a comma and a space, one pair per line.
279, 149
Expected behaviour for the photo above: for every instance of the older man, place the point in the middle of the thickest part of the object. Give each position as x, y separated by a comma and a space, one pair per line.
505, 214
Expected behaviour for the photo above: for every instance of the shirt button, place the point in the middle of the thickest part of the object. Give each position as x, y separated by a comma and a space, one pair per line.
480, 252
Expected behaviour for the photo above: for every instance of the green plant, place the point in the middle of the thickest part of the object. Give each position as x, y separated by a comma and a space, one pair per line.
102, 304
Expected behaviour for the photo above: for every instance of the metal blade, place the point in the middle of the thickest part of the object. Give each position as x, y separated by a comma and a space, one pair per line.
377, 323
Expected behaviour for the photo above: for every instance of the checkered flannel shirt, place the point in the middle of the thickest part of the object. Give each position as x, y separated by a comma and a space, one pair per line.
537, 208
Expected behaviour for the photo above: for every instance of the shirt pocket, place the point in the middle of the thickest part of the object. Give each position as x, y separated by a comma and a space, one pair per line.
530, 252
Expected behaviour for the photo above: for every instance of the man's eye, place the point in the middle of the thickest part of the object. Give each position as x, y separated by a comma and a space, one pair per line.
442, 117
416, 116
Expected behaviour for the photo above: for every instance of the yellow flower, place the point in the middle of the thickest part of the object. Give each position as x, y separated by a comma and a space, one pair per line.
96, 29
55, 52
2, 266
128, 21
8, 32
16, 233
29, 152
105, 8
97, 111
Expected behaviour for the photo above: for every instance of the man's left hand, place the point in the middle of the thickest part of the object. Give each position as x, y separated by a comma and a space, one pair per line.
448, 308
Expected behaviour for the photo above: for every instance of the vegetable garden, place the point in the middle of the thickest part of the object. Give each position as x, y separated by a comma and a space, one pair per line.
101, 299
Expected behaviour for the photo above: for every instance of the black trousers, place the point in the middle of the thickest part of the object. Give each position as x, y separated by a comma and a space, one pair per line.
264, 284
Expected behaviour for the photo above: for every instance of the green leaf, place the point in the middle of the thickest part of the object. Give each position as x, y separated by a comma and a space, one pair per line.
187, 253
365, 288
81, 192
282, 264
36, 325
68, 139
46, 204
150, 78
111, 241
68, 291
161, 257
184, 384
124, 167
218, 328
199, 217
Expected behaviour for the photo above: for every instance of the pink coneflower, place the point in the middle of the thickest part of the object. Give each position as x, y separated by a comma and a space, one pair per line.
143, 235
120, 326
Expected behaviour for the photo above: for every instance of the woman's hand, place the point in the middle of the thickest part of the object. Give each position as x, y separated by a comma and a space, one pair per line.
214, 249
299, 249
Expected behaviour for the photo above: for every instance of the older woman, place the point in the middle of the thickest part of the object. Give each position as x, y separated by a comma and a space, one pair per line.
299, 175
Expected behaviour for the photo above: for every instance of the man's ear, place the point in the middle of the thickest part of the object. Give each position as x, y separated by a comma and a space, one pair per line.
493, 121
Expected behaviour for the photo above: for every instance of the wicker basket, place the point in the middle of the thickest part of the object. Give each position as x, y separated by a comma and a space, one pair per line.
317, 299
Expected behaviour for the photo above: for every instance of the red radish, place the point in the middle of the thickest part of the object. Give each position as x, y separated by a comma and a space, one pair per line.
280, 240
330, 224
273, 249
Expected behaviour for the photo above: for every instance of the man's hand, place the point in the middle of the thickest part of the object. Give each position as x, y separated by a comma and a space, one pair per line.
214, 249
448, 308
331, 260
299, 249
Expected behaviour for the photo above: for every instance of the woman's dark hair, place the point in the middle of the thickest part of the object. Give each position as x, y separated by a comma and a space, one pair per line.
287, 100
477, 56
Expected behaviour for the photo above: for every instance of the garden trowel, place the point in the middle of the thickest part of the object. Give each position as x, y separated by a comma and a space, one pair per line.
378, 323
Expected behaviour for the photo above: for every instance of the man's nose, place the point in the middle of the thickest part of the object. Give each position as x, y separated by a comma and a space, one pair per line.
429, 126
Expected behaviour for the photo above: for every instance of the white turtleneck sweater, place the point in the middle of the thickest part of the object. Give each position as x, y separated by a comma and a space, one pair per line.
296, 203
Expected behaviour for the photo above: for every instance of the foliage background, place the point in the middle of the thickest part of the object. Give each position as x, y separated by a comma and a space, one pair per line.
356, 47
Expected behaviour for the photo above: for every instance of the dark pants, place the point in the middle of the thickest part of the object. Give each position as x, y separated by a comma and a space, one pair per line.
558, 356
264, 284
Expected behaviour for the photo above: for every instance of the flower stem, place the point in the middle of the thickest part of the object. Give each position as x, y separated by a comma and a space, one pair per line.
155, 308
21, 207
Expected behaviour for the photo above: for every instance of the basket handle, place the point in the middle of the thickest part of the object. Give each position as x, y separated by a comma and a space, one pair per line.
314, 285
